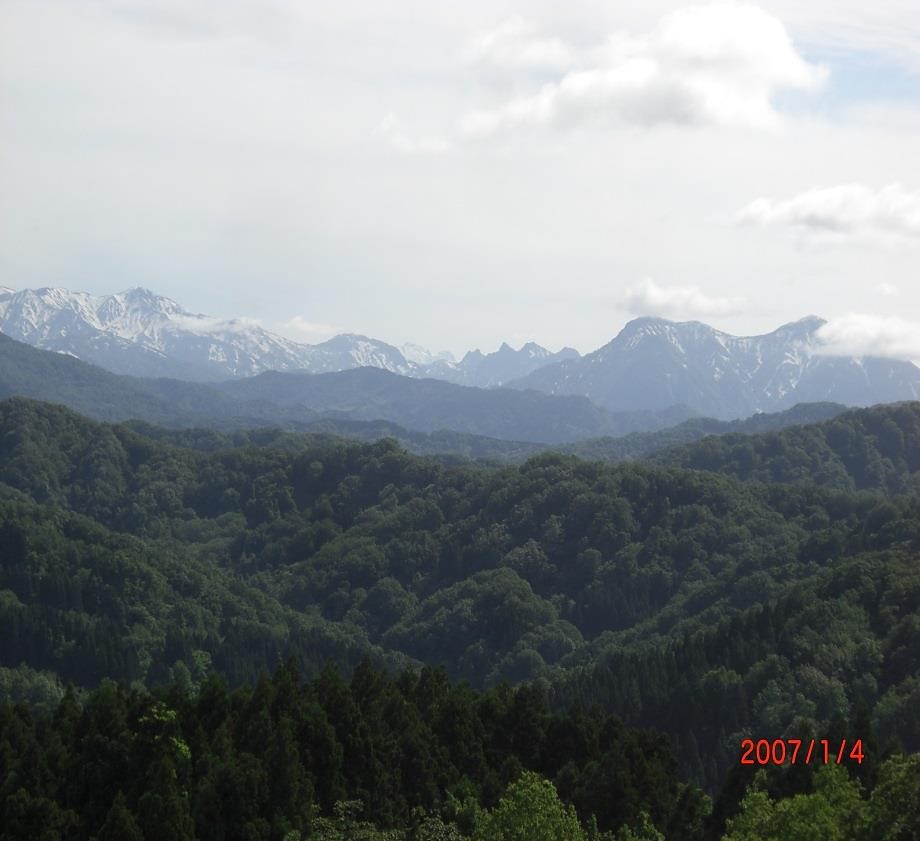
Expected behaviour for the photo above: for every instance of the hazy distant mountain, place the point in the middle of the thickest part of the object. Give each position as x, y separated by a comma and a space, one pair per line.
294, 400
140, 333
630, 446
652, 365
655, 363
428, 405
506, 364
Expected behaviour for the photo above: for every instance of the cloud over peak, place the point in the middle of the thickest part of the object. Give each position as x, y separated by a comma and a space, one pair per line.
859, 334
648, 298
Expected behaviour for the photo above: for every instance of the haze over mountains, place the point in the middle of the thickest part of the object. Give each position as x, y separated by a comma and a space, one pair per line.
652, 365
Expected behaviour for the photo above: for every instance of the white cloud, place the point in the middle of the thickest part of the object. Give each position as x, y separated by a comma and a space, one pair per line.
844, 212
206, 324
858, 334
230, 167
716, 64
309, 331
889, 290
392, 130
648, 298
517, 45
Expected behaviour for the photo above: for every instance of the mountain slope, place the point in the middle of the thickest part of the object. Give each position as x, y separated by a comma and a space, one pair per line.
654, 363
58, 378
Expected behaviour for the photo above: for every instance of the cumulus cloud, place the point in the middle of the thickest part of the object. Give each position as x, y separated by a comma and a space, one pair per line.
844, 212
858, 334
309, 331
648, 298
716, 64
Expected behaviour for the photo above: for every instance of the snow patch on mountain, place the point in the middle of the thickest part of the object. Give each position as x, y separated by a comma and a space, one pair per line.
422, 356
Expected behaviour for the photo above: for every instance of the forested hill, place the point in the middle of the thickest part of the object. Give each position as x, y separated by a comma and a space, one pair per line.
143, 560
877, 448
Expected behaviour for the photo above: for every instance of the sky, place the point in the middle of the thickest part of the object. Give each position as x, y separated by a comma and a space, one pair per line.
458, 174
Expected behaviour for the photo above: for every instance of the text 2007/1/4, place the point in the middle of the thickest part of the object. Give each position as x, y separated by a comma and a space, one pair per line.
806, 751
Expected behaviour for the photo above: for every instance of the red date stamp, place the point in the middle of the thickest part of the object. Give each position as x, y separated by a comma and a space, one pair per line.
804, 751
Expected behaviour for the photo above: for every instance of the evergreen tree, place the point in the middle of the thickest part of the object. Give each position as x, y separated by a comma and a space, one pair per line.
120, 824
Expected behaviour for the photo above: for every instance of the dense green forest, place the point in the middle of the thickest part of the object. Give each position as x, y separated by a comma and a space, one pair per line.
877, 449
268, 759
764, 585
412, 757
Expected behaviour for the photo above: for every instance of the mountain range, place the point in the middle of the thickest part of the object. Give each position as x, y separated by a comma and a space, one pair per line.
652, 365
140, 333
296, 400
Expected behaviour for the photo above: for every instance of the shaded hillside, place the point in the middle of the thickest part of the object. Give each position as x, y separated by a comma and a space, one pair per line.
58, 378
429, 405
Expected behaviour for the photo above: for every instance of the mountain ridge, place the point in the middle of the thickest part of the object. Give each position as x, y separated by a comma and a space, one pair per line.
140, 333
292, 399
653, 362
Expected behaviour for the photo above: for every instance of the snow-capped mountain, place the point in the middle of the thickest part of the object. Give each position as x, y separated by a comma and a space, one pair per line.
138, 332
654, 363
144, 334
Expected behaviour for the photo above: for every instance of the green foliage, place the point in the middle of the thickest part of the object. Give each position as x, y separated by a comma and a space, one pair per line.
894, 808
644, 831
836, 809
530, 811
411, 757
